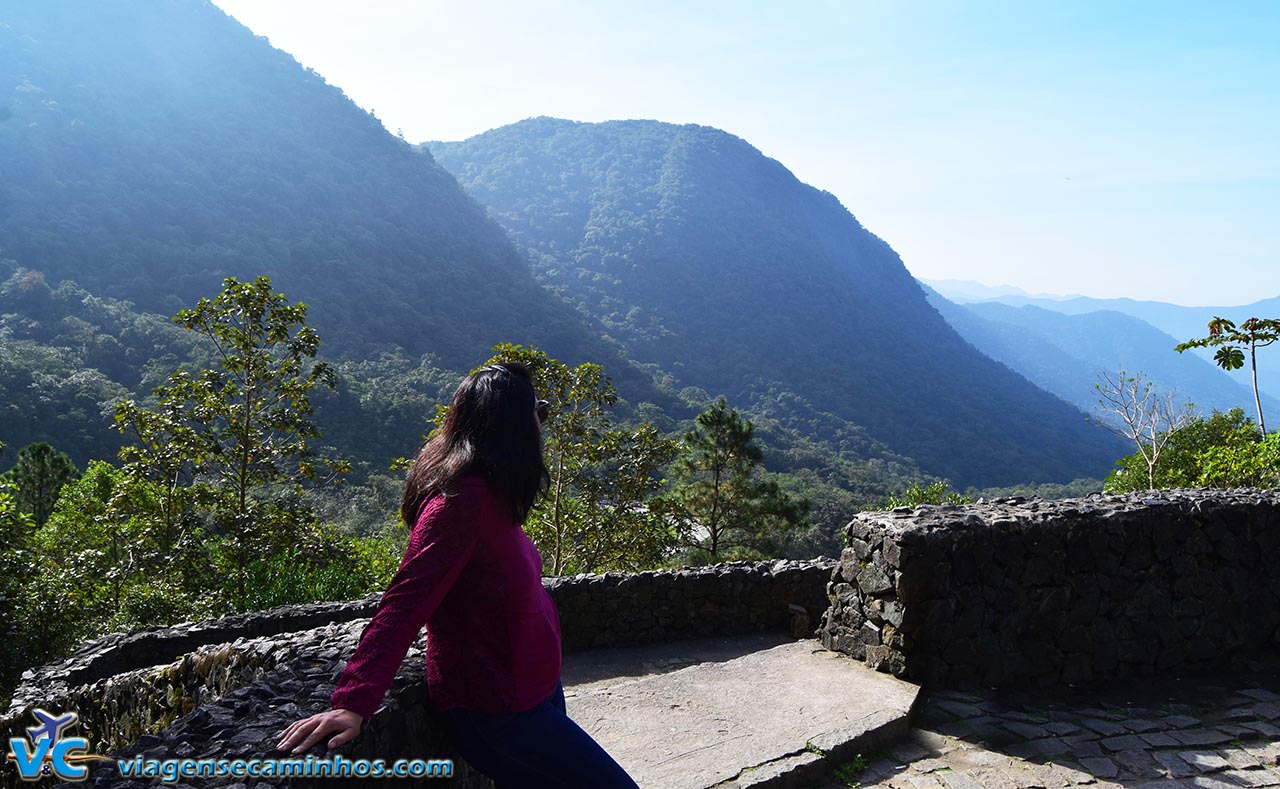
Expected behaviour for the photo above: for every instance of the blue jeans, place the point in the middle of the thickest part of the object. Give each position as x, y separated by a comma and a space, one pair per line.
538, 748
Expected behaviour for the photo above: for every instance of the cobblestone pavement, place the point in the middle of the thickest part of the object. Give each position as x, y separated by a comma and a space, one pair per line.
1158, 735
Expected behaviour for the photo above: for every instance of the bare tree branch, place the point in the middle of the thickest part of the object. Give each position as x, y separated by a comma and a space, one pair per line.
1134, 410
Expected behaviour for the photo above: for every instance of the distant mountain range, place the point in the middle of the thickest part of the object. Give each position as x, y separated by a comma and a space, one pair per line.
1065, 353
968, 290
1176, 322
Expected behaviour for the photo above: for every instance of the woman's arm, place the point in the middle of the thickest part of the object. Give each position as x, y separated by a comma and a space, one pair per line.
440, 545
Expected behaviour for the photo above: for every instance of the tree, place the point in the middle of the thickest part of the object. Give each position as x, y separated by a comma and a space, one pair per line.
237, 441
717, 502
1225, 450
94, 555
38, 477
1224, 335
1182, 461
594, 516
1242, 464
617, 530
1134, 410
17, 566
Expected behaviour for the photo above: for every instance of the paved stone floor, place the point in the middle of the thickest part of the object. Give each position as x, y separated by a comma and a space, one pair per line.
1156, 734
735, 711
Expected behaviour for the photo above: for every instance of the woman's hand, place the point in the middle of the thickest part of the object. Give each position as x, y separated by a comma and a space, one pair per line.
301, 735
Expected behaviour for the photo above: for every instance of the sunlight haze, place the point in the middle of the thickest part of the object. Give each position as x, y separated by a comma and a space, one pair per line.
1062, 148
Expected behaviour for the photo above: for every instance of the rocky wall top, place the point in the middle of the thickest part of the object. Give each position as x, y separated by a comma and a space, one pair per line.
1016, 591
221, 688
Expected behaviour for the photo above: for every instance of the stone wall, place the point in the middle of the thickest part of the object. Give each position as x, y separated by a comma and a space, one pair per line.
1049, 592
622, 609
222, 688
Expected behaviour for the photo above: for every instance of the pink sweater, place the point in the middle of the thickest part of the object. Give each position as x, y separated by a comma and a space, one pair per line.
472, 576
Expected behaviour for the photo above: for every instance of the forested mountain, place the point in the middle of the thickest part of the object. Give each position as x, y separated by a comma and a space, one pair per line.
707, 258
150, 148
1178, 321
1064, 353
66, 354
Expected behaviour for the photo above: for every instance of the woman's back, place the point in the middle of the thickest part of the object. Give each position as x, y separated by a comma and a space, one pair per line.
493, 644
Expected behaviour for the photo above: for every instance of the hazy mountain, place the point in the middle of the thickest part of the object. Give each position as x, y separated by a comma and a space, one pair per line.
964, 290
149, 149
1065, 353
1181, 323
707, 258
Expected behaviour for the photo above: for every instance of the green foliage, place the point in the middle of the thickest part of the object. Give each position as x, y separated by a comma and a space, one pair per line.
64, 359
103, 563
1223, 450
851, 771
379, 408
830, 507
594, 517
338, 568
235, 441
112, 571
38, 477
936, 492
1231, 340
1242, 464
76, 576
17, 566
375, 412
1074, 489
720, 506
58, 377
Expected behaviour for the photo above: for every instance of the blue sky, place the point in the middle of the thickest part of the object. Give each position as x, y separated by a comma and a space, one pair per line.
1102, 148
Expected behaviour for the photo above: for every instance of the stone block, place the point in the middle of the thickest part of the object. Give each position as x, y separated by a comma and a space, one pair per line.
873, 580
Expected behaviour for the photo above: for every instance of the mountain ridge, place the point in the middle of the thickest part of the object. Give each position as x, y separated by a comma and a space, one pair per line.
1180, 322
1064, 353
123, 171
721, 253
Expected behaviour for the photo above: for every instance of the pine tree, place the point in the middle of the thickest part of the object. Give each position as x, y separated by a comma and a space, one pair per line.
718, 503
38, 478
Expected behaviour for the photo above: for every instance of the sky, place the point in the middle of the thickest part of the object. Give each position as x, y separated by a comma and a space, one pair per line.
1098, 148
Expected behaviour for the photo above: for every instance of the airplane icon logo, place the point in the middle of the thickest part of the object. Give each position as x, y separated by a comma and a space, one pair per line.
51, 726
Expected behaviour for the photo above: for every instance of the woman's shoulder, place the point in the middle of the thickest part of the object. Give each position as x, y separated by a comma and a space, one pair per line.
471, 495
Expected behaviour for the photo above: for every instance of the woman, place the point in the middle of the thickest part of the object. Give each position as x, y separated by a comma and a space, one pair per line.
473, 578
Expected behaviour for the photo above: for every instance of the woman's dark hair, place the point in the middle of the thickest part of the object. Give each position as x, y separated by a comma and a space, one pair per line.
490, 430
